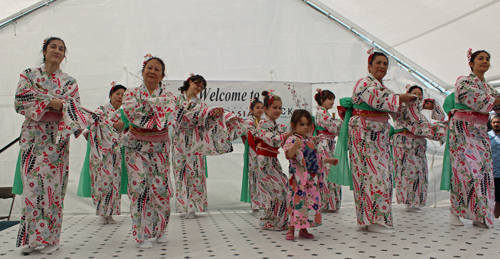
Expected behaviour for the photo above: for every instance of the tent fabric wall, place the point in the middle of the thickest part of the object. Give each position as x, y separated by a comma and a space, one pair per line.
223, 40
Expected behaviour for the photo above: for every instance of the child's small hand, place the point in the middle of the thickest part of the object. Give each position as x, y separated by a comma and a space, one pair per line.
333, 161
315, 138
297, 144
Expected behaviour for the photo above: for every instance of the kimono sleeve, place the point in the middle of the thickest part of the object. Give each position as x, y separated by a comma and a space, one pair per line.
468, 93
379, 99
273, 138
30, 101
332, 125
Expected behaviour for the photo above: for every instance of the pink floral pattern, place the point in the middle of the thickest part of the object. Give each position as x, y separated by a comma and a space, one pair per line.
304, 192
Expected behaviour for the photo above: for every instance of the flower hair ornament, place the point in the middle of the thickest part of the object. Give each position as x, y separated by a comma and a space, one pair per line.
146, 58
113, 84
370, 52
319, 91
469, 54
46, 39
271, 97
189, 78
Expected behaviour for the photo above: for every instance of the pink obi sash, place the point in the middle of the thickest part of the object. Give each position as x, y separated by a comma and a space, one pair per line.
149, 135
471, 117
376, 116
52, 117
326, 134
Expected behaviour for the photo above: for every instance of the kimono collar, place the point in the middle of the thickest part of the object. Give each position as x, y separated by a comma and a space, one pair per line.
157, 92
475, 78
43, 70
264, 117
195, 98
377, 83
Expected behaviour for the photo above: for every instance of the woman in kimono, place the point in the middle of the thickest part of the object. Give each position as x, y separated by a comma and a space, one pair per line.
370, 158
189, 162
271, 181
472, 191
105, 157
305, 176
327, 128
409, 151
251, 167
50, 102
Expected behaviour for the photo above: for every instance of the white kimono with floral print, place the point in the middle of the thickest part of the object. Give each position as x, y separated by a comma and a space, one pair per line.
256, 198
472, 190
409, 155
370, 156
105, 162
331, 194
45, 151
194, 140
271, 181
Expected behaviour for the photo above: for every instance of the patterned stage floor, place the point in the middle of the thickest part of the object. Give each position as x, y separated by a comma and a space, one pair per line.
234, 233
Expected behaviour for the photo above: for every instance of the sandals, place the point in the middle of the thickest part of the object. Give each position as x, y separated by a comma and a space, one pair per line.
290, 235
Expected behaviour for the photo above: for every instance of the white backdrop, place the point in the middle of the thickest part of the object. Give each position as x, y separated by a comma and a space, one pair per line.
258, 43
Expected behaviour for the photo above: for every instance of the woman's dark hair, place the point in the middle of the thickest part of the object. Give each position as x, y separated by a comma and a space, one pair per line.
299, 113
320, 97
116, 88
255, 102
376, 54
475, 54
159, 60
267, 97
47, 42
415, 86
195, 79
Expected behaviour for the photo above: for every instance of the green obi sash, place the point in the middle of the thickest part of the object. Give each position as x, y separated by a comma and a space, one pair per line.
448, 105
85, 185
245, 197
341, 173
316, 127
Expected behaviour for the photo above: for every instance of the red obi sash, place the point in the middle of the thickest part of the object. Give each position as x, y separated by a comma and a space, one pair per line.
150, 135
261, 148
326, 134
377, 116
471, 116
52, 117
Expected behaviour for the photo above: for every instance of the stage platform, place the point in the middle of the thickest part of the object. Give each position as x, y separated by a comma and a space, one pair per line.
235, 233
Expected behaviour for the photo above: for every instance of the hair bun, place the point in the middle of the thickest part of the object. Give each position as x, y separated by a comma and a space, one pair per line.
265, 93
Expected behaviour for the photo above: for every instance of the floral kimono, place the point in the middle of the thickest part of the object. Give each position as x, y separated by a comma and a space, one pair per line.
331, 194
105, 162
409, 155
472, 189
370, 157
304, 184
192, 142
256, 199
44, 151
271, 181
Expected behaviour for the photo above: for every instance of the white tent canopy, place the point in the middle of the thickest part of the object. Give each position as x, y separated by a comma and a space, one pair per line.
223, 40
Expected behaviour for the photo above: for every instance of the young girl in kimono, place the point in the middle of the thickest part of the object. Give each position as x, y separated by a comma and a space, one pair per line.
249, 191
327, 128
189, 162
471, 194
104, 153
305, 176
409, 151
271, 181
49, 100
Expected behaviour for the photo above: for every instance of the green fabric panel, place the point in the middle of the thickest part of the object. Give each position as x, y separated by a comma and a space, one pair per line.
124, 184
17, 187
341, 173
84, 185
206, 166
446, 173
449, 104
124, 119
245, 196
316, 127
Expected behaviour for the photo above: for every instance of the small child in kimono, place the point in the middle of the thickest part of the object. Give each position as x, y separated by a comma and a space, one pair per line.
304, 185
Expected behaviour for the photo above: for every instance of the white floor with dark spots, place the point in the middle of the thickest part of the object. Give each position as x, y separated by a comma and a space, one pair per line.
235, 233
